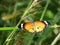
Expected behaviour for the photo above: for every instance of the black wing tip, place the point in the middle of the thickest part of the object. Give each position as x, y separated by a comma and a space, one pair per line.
47, 22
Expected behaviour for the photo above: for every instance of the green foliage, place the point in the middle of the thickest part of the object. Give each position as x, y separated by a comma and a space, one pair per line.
15, 12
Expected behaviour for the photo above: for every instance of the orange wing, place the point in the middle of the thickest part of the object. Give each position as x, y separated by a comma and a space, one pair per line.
39, 26
29, 27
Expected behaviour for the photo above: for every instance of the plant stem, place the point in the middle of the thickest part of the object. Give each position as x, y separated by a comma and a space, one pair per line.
9, 38
55, 26
8, 28
56, 39
43, 13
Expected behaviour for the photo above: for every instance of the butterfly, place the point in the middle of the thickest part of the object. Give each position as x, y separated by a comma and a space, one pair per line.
36, 26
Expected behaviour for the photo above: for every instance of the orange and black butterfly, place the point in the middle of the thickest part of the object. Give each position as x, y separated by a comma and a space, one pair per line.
37, 26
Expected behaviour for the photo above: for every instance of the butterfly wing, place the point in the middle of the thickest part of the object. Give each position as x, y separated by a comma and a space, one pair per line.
29, 27
39, 26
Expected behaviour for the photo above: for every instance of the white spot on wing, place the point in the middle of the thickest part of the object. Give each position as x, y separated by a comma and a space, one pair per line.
46, 23
22, 26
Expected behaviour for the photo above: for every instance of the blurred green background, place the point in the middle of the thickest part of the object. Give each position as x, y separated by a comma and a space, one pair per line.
15, 12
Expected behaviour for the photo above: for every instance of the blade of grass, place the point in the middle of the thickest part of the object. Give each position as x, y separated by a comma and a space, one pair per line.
56, 39
55, 20
43, 13
13, 32
41, 19
28, 38
42, 16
